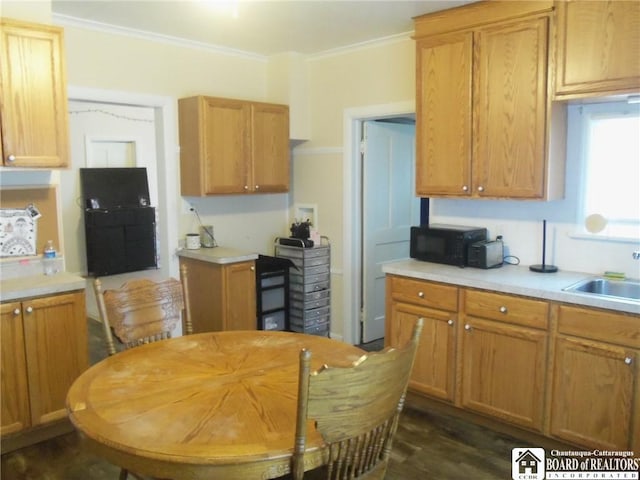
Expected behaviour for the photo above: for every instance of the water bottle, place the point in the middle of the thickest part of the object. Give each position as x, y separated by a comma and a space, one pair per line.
49, 259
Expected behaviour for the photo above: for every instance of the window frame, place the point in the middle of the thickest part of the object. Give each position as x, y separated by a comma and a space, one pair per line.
582, 116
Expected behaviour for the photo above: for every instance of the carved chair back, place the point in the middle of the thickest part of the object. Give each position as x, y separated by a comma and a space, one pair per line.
143, 311
355, 409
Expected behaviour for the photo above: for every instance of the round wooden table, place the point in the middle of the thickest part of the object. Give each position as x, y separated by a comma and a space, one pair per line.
208, 406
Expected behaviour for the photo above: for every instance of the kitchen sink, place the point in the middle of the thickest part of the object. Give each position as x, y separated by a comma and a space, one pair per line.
621, 289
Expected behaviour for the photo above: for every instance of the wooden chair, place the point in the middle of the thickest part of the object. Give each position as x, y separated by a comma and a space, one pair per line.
355, 409
143, 311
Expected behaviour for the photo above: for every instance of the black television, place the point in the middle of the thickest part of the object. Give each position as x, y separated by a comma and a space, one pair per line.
109, 188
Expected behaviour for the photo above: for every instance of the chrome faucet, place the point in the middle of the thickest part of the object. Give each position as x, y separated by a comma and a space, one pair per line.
636, 255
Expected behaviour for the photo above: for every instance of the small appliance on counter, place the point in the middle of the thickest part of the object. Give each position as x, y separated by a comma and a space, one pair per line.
486, 254
440, 243
300, 233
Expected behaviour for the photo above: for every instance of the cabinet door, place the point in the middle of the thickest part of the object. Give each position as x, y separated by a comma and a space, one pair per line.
503, 371
592, 398
434, 367
443, 115
597, 47
33, 96
269, 148
226, 145
240, 296
55, 331
510, 105
14, 394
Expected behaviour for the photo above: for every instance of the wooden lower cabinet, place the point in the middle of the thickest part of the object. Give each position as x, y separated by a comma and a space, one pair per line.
434, 367
593, 390
407, 300
595, 398
564, 371
503, 371
43, 350
222, 296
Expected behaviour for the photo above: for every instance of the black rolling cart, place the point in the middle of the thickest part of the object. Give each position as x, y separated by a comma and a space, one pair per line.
272, 292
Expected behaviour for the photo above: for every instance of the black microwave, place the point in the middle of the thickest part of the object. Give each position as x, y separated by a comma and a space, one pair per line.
441, 243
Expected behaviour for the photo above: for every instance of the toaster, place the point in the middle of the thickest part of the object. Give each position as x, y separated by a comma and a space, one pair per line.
485, 254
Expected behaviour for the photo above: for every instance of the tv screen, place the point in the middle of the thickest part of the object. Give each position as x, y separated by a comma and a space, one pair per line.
104, 188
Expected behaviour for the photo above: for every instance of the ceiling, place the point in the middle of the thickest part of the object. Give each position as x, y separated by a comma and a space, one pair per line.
264, 28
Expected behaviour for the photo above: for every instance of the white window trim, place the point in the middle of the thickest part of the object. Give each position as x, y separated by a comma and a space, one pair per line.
580, 231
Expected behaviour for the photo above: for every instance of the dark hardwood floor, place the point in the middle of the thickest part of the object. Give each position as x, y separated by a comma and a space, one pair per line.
428, 445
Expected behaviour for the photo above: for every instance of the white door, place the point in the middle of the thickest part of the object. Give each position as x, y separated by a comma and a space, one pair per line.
389, 210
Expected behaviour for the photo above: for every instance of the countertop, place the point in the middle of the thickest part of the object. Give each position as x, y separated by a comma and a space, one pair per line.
515, 279
219, 255
39, 285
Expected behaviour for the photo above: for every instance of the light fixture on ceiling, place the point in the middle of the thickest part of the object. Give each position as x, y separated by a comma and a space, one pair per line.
228, 7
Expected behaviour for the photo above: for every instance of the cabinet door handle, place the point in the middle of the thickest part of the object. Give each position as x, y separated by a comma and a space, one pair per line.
16, 312
253, 269
628, 361
467, 327
29, 309
257, 187
503, 309
449, 322
246, 187
11, 158
481, 188
421, 294
465, 188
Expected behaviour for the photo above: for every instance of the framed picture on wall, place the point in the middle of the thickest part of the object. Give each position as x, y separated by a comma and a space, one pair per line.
17, 232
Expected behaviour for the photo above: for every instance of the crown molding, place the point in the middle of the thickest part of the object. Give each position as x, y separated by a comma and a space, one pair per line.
69, 21
378, 42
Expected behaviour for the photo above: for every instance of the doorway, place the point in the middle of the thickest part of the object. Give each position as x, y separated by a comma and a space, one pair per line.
389, 208
166, 151
353, 212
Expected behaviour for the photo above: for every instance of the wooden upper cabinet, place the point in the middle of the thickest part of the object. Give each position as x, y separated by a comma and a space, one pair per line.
510, 110
483, 106
443, 115
270, 148
598, 48
33, 95
232, 146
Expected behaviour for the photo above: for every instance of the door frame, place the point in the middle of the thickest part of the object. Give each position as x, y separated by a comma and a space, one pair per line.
352, 207
167, 160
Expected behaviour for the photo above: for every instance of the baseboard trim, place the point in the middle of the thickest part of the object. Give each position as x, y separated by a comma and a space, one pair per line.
35, 435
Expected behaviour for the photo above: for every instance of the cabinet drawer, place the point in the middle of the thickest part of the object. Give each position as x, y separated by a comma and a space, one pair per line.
619, 328
428, 294
506, 308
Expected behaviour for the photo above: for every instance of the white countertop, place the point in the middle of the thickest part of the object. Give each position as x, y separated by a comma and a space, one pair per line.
220, 255
518, 280
39, 285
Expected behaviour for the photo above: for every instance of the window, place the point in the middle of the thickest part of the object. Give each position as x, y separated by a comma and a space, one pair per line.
610, 166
